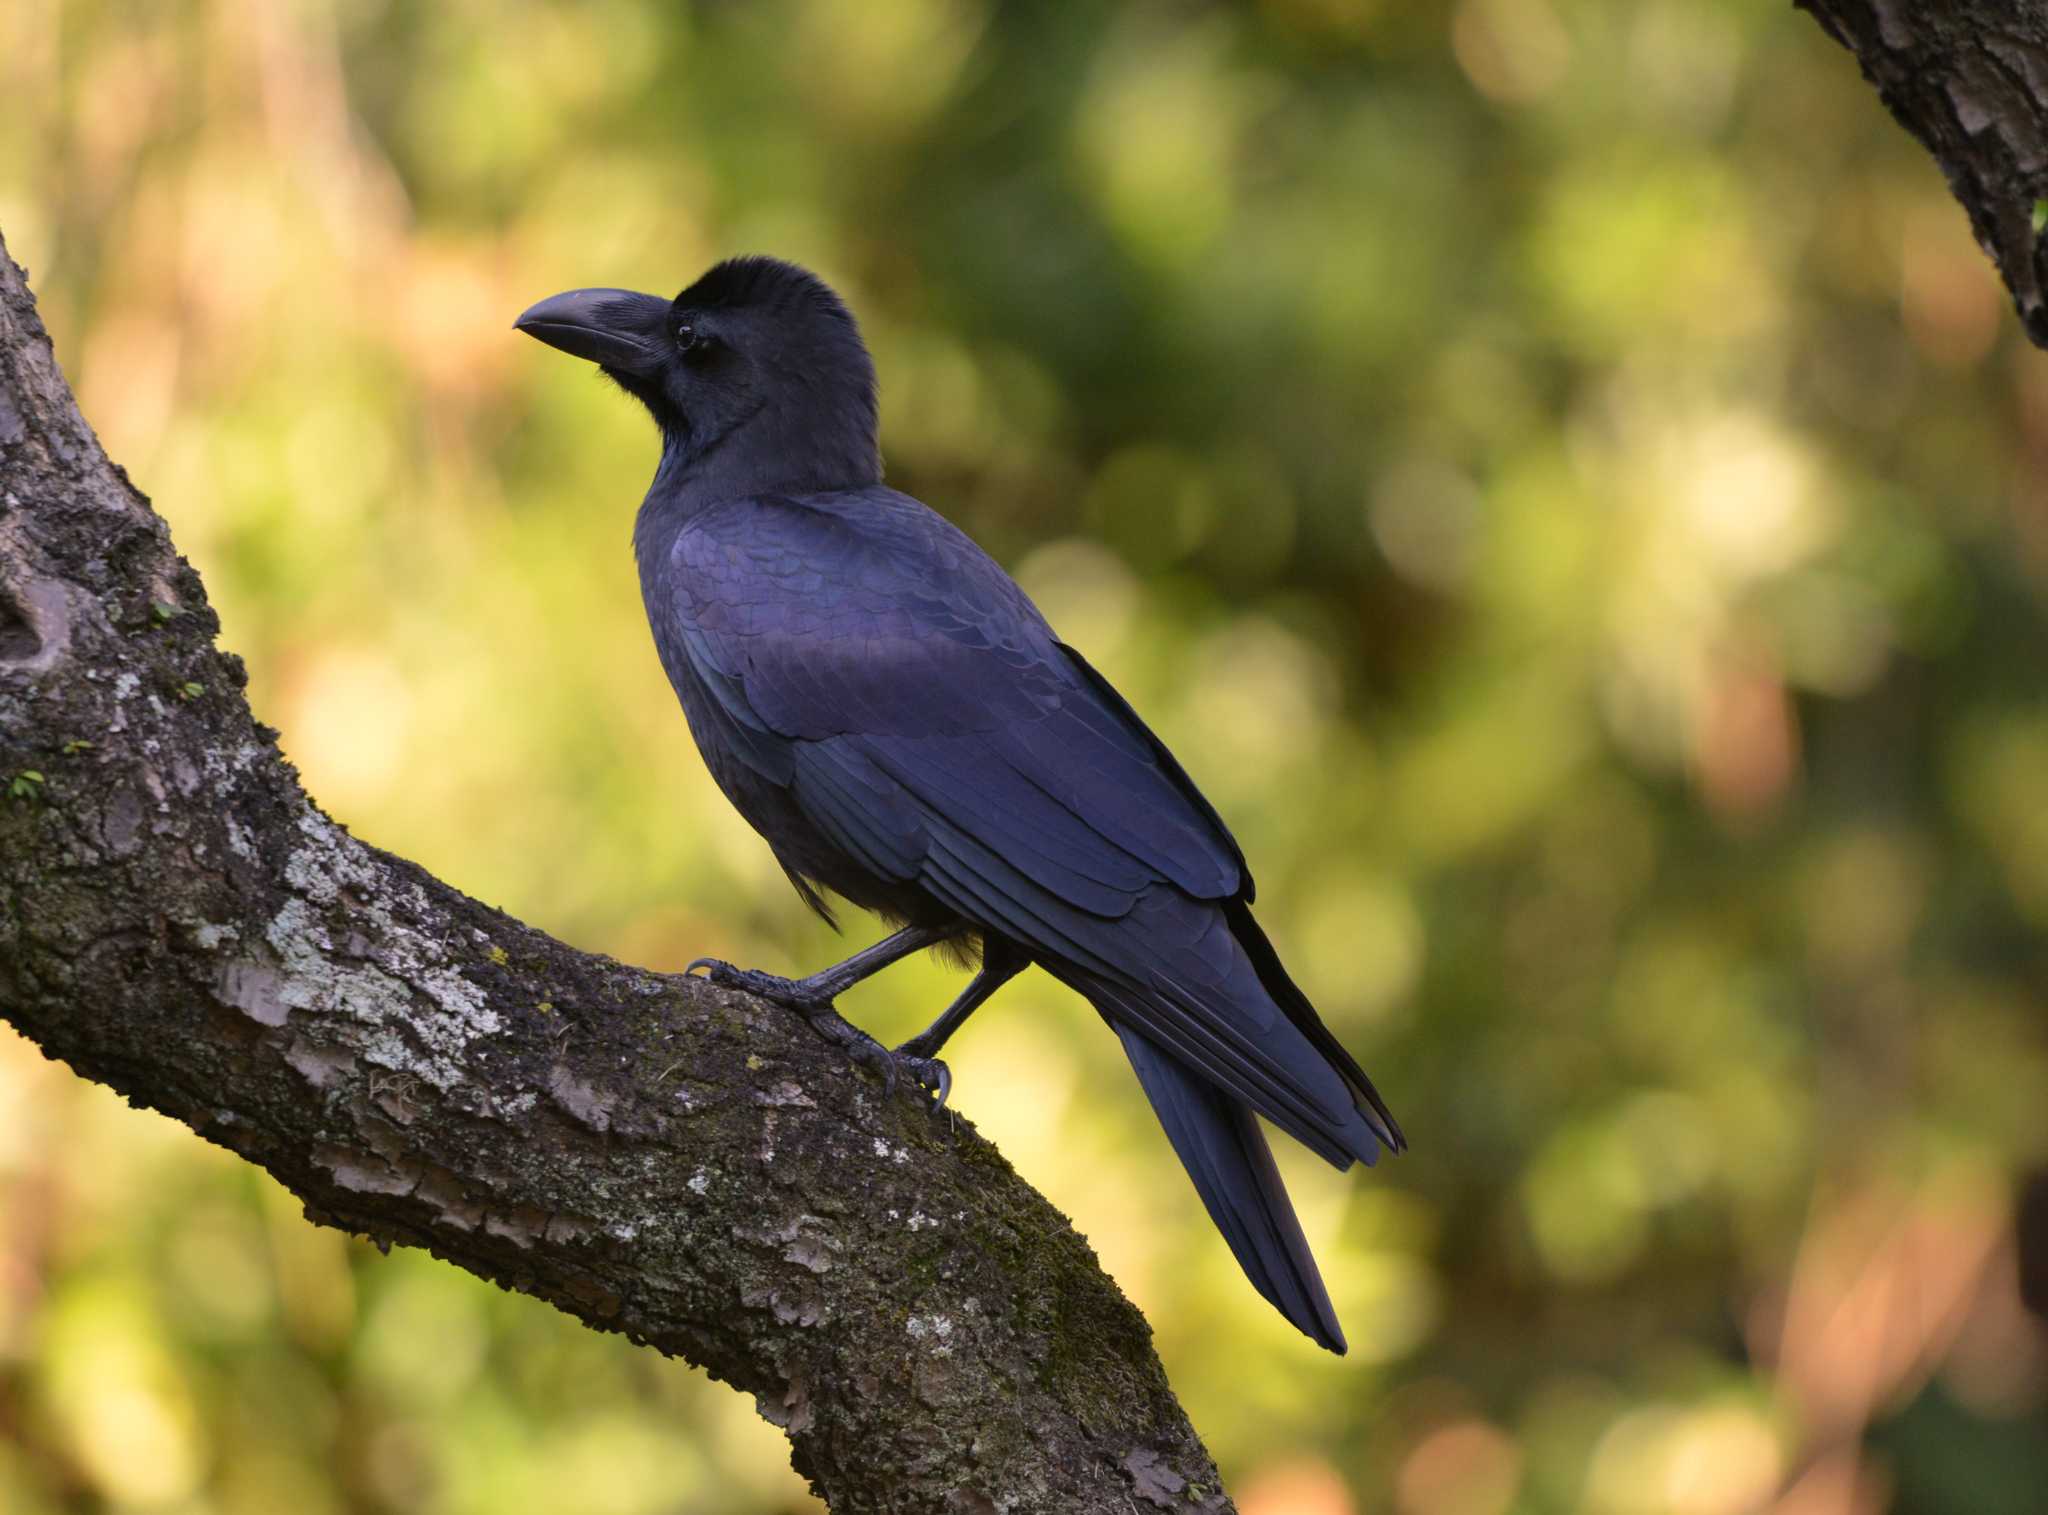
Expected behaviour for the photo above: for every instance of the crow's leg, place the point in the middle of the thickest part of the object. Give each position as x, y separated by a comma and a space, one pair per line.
1000, 962
812, 998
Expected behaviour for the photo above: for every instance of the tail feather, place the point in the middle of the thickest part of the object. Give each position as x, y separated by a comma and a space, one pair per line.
1288, 996
1219, 1142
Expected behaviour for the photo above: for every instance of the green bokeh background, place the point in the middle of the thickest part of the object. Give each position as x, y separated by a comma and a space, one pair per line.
1557, 471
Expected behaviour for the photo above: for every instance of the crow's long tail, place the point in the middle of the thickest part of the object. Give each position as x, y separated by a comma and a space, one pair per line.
1219, 1142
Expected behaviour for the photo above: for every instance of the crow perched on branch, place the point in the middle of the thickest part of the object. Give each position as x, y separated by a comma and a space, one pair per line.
891, 712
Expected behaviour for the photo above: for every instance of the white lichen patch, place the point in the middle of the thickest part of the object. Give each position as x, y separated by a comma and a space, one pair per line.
700, 1181
421, 1014
920, 1221
934, 1330
208, 937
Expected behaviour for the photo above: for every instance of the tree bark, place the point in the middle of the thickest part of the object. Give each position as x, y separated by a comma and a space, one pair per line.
1970, 80
693, 1168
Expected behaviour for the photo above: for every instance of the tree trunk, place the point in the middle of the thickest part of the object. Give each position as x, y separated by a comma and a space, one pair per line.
1970, 80
690, 1167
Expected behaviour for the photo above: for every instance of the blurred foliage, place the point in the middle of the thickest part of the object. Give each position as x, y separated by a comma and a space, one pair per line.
1556, 470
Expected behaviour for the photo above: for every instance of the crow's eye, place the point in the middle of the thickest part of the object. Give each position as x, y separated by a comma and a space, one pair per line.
689, 339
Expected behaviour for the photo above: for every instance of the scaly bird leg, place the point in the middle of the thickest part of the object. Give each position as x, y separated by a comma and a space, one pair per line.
1000, 962
812, 998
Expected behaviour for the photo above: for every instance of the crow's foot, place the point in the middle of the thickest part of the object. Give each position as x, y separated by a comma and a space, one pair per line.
926, 1074
815, 1006
932, 1076
795, 994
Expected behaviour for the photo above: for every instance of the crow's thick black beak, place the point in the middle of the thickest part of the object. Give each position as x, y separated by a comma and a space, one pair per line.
615, 328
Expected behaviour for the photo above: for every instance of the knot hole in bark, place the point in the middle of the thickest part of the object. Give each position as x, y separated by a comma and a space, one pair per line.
19, 639
34, 624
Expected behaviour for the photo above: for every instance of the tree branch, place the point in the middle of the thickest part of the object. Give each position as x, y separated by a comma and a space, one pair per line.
695, 1169
1970, 81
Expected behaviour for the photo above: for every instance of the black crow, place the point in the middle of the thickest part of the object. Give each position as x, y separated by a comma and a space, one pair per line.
890, 711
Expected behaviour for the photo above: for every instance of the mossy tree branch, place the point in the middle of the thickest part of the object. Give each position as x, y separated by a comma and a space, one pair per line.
692, 1168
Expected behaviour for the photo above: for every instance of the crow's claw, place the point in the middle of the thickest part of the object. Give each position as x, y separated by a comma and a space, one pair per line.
790, 993
862, 1048
932, 1076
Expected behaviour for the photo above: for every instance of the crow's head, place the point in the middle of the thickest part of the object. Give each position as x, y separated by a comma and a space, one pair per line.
756, 373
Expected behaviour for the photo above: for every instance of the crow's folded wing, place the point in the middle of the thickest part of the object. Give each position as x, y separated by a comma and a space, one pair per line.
907, 666
925, 718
